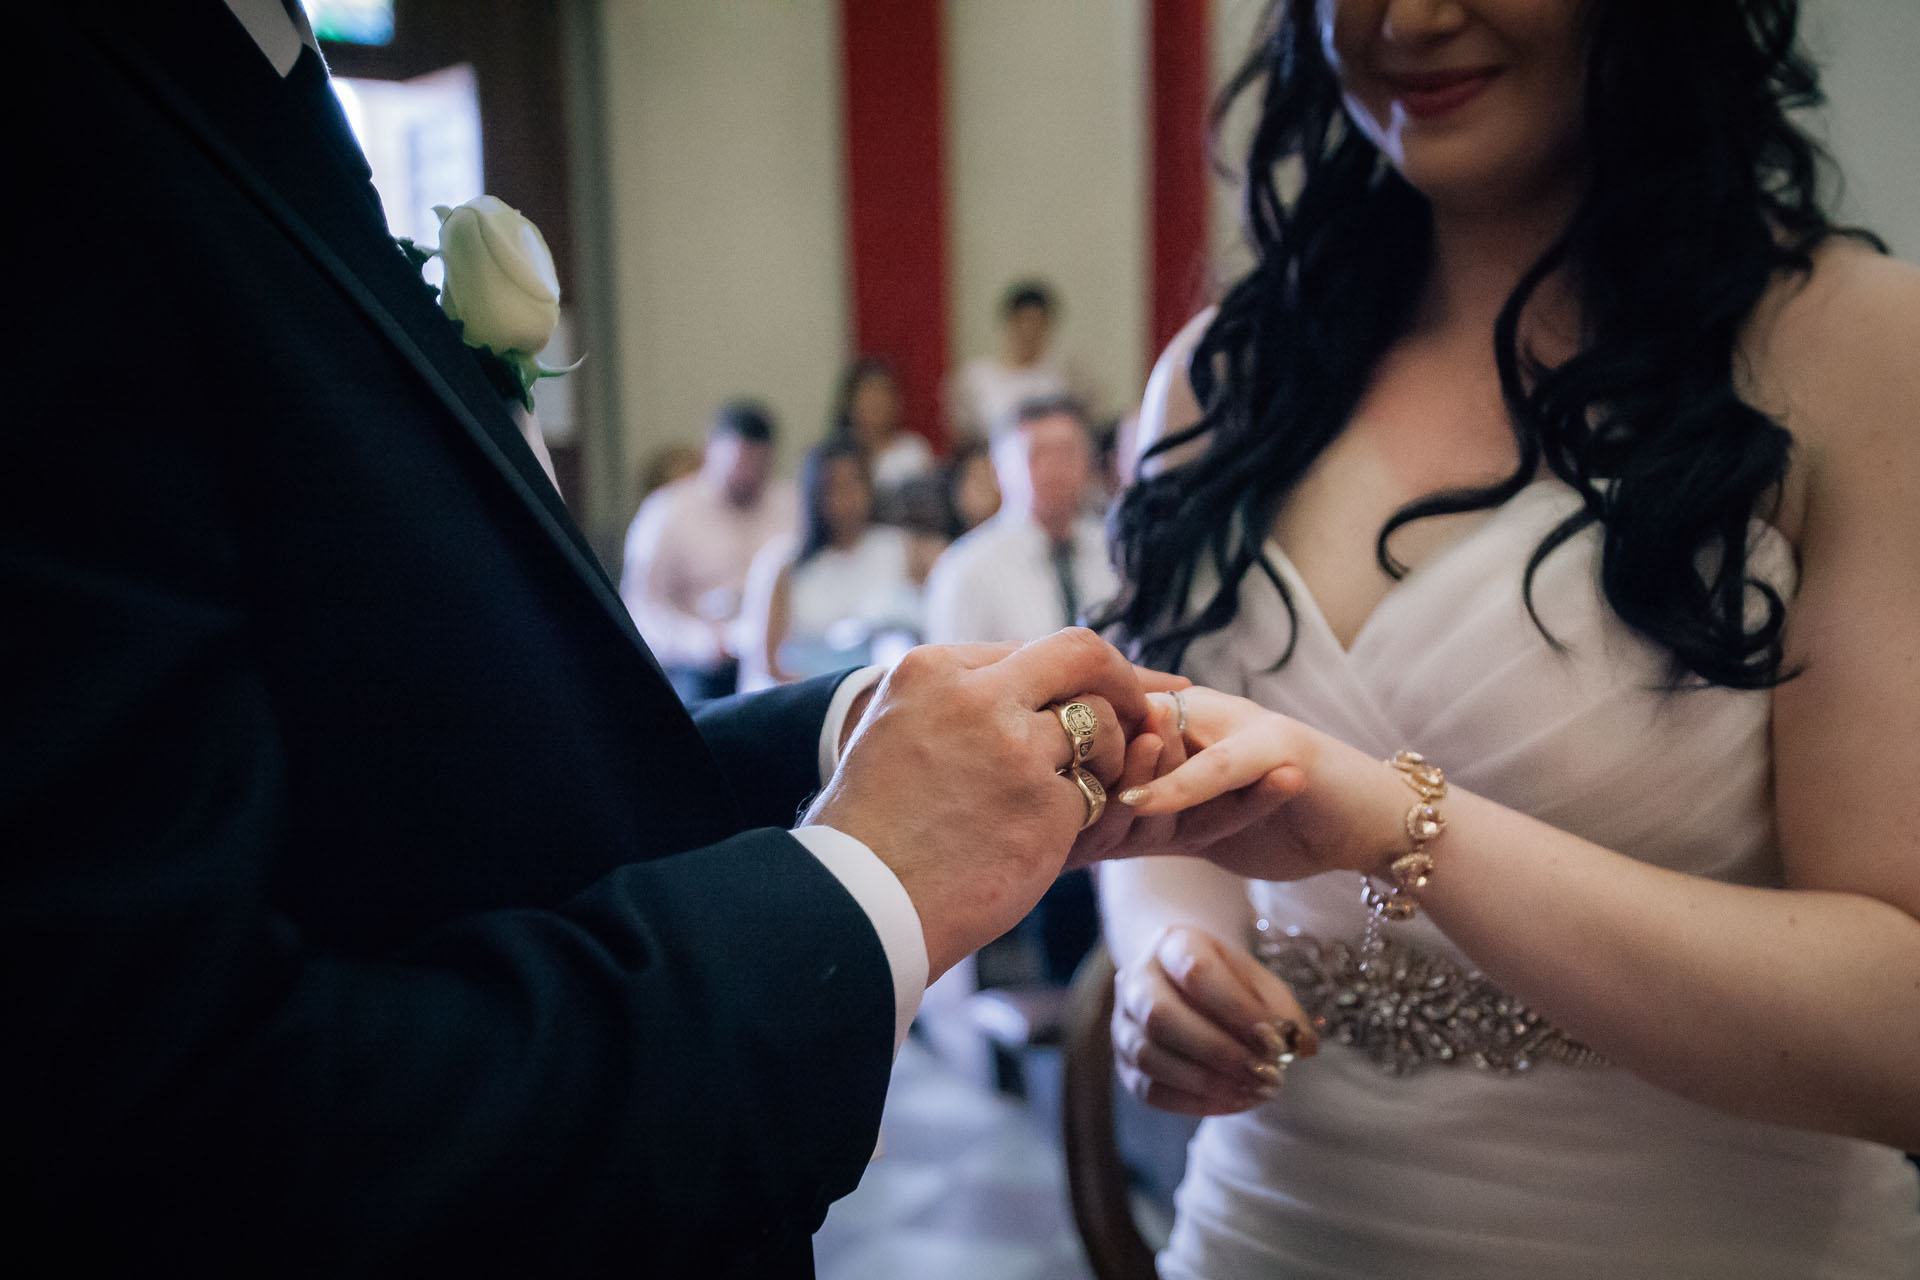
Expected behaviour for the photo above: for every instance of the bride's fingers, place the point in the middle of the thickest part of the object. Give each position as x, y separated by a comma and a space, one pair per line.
1164, 1097
1163, 722
1148, 998
1225, 816
1226, 766
1142, 1043
1232, 989
1218, 1092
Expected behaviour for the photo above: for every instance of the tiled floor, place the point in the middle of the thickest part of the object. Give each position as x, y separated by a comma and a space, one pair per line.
971, 1188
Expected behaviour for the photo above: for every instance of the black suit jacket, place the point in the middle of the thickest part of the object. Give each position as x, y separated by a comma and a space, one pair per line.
371, 905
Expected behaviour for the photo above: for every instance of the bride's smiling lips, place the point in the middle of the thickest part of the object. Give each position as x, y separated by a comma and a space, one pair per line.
1426, 94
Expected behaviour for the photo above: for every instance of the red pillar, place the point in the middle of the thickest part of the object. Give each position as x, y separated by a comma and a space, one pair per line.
894, 95
1178, 93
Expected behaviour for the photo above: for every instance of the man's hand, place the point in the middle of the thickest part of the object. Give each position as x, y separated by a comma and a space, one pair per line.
951, 777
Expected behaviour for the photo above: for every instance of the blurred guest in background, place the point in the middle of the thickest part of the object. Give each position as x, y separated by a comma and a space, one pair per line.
867, 412
832, 595
972, 488
934, 509
1117, 453
924, 515
982, 396
1041, 562
1038, 565
689, 549
665, 465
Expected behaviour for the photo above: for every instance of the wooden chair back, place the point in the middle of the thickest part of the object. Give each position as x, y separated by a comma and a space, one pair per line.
1097, 1180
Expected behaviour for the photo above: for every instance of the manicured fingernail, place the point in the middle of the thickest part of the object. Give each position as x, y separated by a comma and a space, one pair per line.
1266, 1073
1269, 1038
1133, 795
1296, 1041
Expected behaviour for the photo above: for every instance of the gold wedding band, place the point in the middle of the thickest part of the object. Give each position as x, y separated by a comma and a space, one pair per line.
1090, 790
1082, 727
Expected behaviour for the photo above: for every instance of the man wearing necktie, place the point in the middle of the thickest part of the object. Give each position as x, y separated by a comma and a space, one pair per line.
1038, 565
1041, 562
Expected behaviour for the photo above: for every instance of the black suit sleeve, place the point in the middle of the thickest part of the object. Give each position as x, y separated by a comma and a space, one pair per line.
768, 745
217, 1062
687, 1056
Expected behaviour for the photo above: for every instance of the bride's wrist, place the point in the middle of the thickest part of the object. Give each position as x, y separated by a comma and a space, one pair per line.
1380, 830
1385, 809
1406, 875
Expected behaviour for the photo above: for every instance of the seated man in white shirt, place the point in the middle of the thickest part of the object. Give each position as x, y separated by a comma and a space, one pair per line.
1038, 565
689, 549
1041, 563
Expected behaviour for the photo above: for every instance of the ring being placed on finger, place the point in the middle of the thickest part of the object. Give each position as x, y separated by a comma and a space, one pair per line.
1090, 791
1082, 726
1180, 705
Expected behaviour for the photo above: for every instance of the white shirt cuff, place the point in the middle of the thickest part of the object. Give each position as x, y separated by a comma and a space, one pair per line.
830, 728
880, 894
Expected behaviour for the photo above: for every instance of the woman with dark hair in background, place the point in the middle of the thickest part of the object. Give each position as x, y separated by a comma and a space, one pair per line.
972, 487
821, 601
1559, 435
935, 509
867, 411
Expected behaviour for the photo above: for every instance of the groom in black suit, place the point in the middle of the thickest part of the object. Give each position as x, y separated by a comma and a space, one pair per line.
371, 904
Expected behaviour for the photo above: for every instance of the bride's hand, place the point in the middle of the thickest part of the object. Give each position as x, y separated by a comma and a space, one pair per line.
1345, 810
1199, 1027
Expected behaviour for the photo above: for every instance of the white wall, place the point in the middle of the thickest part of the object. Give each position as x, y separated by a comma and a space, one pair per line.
723, 134
1047, 174
1869, 52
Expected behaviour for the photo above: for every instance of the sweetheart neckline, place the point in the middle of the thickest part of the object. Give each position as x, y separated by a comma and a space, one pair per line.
1306, 601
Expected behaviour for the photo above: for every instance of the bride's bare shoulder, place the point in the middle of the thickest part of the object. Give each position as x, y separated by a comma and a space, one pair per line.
1169, 405
1831, 356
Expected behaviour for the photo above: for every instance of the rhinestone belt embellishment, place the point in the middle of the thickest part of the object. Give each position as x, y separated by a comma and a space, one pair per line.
1409, 1008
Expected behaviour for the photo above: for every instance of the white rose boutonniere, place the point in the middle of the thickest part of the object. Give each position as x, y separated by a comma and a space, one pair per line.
500, 290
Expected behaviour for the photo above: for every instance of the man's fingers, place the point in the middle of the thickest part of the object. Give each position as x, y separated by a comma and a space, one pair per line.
1106, 836
971, 657
1109, 749
1072, 662
1160, 681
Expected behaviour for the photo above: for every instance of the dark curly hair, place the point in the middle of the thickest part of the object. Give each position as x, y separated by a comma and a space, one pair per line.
1702, 192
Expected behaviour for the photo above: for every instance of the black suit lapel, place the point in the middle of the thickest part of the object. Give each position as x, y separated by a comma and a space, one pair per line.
287, 146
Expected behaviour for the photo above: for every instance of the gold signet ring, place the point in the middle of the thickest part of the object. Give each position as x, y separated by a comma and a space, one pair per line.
1082, 726
1090, 790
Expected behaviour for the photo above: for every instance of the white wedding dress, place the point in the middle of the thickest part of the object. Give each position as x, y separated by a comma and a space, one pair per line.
1565, 1171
